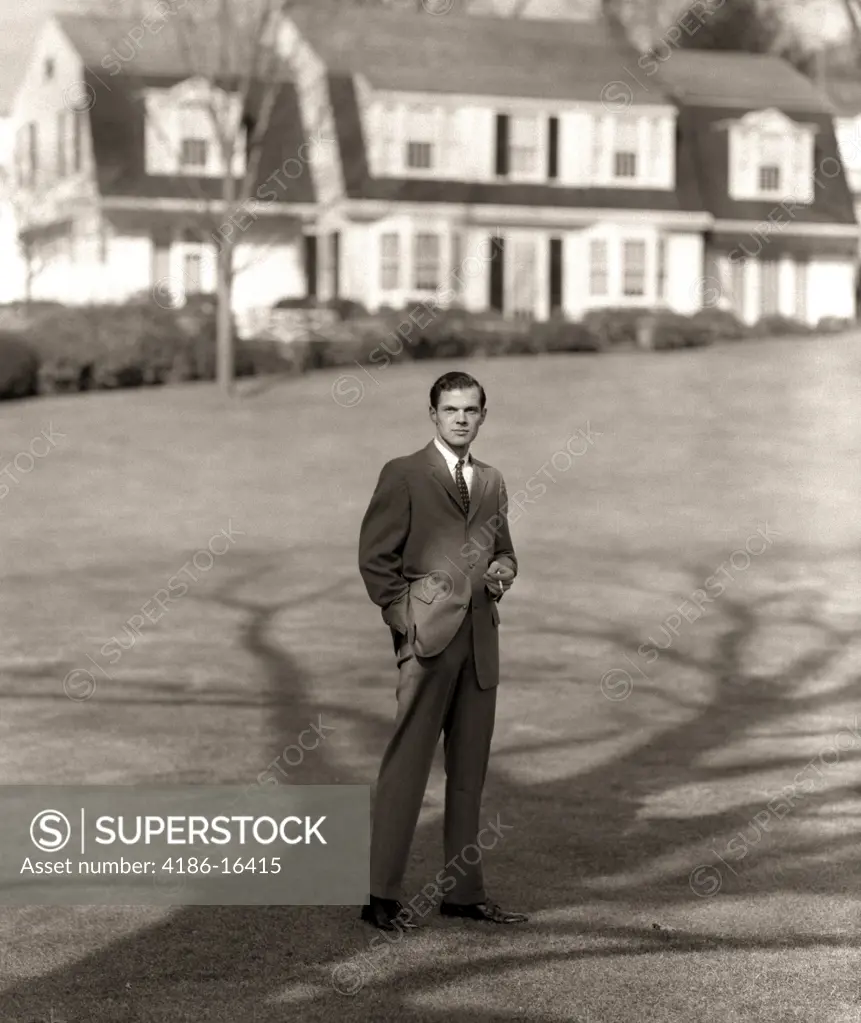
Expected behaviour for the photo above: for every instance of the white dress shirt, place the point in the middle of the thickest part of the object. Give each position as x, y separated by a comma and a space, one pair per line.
452, 460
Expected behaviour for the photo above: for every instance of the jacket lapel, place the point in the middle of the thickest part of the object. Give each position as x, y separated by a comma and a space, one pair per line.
479, 485
440, 472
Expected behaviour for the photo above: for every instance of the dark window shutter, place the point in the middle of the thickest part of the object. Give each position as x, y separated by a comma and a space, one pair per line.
502, 145
336, 264
553, 148
555, 275
497, 274
311, 265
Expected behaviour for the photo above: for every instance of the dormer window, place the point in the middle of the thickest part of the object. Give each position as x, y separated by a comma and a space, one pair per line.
770, 156
422, 136
524, 146
632, 150
181, 130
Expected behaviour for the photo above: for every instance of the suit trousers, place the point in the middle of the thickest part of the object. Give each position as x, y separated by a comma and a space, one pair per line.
435, 695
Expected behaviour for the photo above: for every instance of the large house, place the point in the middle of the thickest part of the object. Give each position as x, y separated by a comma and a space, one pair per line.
784, 239
539, 167
497, 161
13, 280
531, 167
119, 171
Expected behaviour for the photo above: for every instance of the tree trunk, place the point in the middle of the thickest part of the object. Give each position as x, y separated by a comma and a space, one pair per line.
224, 319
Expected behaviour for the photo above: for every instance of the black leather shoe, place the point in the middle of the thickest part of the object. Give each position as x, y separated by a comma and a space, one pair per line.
487, 911
383, 914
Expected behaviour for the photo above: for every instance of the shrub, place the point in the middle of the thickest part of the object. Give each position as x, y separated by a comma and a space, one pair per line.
780, 326
558, 335
657, 328
347, 309
613, 327
272, 357
19, 368
673, 331
721, 324
834, 325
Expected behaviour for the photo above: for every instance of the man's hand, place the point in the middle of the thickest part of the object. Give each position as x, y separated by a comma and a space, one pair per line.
498, 578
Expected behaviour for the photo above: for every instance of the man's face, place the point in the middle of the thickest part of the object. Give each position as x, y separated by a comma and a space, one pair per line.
458, 416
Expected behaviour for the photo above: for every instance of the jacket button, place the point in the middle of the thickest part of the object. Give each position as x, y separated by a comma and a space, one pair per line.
464, 607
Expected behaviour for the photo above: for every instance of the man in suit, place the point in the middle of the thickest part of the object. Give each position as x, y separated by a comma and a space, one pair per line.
435, 553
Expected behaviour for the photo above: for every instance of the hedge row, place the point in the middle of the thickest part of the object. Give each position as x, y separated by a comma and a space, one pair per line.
48, 348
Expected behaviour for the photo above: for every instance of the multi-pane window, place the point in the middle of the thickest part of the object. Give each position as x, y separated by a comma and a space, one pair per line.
599, 277
625, 165
769, 178
523, 278
457, 259
769, 294
426, 259
421, 138
192, 271
193, 128
772, 156
420, 155
193, 152
625, 147
389, 261
524, 146
634, 268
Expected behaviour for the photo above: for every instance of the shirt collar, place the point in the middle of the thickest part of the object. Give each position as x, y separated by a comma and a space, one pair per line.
451, 459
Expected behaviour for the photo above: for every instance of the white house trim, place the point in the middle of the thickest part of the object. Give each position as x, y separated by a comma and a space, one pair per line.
515, 104
807, 230
172, 205
539, 216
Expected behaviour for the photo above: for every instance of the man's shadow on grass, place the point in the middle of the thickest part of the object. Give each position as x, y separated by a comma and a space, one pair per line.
568, 835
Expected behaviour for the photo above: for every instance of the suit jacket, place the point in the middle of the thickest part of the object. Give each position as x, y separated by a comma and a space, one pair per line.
422, 559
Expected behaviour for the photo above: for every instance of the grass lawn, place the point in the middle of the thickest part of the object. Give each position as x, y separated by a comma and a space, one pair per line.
614, 794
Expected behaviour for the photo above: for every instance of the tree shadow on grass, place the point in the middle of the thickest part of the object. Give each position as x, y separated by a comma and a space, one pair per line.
570, 837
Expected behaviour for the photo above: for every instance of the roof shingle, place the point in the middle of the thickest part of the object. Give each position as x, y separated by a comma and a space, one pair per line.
404, 51
748, 80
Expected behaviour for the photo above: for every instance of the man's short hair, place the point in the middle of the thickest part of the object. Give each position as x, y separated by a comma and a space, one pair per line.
455, 381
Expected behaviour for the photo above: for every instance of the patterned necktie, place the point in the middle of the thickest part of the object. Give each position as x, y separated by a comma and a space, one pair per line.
461, 485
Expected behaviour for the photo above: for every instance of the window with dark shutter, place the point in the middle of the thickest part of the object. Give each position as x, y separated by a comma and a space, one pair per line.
497, 274
553, 148
502, 145
311, 265
555, 275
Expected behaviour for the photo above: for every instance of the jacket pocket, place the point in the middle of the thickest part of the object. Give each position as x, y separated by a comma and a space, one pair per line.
436, 586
